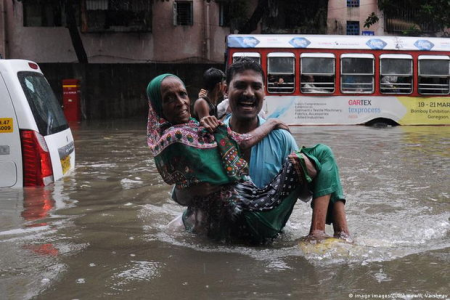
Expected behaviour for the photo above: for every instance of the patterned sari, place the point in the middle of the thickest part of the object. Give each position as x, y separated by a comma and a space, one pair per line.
187, 154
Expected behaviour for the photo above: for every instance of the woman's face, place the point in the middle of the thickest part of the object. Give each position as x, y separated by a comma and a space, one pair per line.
175, 101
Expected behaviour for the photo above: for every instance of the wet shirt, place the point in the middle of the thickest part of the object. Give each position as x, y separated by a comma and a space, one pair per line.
268, 156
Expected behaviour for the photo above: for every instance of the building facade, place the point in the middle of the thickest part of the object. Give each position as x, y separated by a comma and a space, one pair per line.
127, 31
347, 17
169, 31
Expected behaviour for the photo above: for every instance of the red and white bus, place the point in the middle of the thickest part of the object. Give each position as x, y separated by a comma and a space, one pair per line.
346, 80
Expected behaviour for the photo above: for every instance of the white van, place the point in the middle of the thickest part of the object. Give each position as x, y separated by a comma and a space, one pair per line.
36, 144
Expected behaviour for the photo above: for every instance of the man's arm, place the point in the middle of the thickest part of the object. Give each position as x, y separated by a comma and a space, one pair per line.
185, 196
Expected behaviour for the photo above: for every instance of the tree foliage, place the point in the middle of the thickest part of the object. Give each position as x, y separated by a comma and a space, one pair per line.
285, 16
432, 12
372, 19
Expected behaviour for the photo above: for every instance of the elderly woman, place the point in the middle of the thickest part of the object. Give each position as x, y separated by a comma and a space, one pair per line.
207, 166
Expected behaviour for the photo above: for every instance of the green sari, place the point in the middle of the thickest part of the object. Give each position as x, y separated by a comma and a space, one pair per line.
186, 155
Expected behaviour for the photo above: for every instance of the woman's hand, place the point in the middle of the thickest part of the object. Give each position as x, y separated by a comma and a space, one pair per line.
202, 93
210, 123
278, 124
256, 135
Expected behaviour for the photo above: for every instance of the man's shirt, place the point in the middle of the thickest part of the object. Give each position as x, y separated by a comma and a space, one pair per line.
268, 156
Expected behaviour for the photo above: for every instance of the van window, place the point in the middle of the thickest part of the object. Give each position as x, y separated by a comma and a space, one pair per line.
280, 72
317, 72
396, 74
46, 110
357, 73
434, 71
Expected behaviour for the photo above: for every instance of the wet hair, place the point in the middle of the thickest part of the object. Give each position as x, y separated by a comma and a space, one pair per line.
241, 65
212, 77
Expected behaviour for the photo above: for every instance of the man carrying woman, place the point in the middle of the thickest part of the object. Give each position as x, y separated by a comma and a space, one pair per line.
211, 176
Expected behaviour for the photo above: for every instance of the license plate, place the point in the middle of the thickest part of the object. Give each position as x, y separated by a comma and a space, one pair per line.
65, 164
6, 125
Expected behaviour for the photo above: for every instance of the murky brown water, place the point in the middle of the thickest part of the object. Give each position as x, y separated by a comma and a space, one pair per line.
101, 233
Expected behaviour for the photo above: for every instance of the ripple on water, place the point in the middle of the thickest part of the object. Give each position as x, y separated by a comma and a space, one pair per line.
383, 236
135, 271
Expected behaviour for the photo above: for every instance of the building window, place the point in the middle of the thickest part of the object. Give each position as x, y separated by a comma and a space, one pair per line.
183, 13
38, 13
404, 18
352, 28
117, 16
224, 14
352, 3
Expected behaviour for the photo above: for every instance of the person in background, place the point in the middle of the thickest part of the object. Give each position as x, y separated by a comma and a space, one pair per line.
308, 85
205, 107
388, 84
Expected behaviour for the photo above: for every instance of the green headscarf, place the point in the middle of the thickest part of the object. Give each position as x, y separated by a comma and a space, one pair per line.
154, 92
187, 154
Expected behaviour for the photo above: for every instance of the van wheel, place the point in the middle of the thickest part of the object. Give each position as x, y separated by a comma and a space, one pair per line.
381, 123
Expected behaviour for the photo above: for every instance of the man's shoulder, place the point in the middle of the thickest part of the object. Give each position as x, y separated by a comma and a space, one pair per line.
282, 137
277, 133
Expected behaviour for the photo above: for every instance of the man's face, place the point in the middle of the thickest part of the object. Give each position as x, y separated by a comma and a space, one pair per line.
175, 101
246, 94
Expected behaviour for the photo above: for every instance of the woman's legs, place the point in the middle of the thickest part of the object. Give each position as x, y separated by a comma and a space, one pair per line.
319, 215
340, 221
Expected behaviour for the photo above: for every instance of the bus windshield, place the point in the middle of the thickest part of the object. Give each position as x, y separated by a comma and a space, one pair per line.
43, 103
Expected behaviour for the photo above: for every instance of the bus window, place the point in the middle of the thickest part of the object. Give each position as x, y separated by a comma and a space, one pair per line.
396, 74
434, 74
357, 73
317, 72
255, 56
280, 72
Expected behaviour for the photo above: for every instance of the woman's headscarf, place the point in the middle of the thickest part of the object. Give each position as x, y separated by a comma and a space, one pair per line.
158, 134
187, 154
154, 92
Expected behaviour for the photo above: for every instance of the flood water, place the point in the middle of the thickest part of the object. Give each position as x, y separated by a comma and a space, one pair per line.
101, 232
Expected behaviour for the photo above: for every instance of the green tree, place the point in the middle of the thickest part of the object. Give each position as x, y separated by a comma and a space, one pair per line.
430, 13
284, 16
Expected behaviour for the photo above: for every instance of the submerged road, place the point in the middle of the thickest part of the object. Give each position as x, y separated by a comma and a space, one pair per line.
101, 232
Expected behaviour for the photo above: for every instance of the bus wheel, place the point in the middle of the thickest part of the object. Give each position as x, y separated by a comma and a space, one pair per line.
381, 123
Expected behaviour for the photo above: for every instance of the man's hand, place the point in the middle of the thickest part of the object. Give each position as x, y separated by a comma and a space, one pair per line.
185, 196
210, 123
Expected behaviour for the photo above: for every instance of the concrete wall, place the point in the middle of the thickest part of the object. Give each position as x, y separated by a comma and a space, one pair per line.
166, 43
115, 91
2, 29
339, 14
